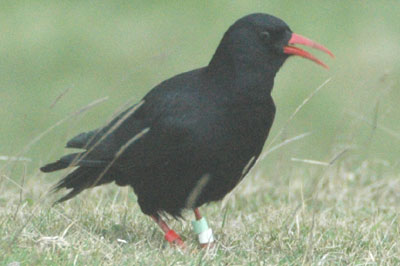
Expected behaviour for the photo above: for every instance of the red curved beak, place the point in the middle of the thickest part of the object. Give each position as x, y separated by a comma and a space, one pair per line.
298, 39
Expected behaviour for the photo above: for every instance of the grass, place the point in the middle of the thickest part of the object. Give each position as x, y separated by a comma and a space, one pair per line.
310, 215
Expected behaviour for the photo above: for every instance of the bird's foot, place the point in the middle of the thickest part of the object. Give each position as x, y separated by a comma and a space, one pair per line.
170, 235
174, 239
179, 243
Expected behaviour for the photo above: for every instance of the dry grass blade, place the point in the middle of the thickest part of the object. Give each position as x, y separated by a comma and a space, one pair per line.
194, 195
375, 124
58, 98
13, 158
120, 151
11, 181
305, 101
117, 124
310, 161
109, 131
44, 133
284, 143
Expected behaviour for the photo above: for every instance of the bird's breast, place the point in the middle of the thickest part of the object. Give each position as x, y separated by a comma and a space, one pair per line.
234, 128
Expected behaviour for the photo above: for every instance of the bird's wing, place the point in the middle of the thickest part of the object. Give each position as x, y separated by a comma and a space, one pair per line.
159, 126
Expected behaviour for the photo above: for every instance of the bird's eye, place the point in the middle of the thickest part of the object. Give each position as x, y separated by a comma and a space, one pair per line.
265, 36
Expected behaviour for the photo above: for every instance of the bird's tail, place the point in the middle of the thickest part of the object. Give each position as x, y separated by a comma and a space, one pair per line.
81, 179
90, 173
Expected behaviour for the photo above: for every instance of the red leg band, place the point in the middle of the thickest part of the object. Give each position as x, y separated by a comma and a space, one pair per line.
171, 236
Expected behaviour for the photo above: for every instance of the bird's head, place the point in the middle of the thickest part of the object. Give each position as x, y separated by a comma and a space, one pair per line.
264, 40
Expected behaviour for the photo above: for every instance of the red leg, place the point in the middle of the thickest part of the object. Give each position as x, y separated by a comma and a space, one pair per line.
170, 235
197, 214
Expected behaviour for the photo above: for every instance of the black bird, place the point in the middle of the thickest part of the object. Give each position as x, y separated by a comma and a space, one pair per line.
193, 137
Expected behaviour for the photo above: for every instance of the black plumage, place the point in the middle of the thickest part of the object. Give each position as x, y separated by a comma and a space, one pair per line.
208, 124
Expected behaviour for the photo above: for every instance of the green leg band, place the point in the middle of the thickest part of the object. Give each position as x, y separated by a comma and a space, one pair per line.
200, 226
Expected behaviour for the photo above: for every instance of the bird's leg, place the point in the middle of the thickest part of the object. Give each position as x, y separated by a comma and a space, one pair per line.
170, 235
197, 214
201, 228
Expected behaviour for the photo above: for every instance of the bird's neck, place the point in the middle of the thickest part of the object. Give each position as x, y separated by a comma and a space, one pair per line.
242, 72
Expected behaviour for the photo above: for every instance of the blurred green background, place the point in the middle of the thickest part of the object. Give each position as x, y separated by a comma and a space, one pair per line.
121, 49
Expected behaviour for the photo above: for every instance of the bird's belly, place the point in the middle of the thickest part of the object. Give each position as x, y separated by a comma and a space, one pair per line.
228, 164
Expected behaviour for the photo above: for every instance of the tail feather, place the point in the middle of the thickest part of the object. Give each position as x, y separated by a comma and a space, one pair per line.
70, 195
81, 179
73, 159
62, 163
51, 167
73, 180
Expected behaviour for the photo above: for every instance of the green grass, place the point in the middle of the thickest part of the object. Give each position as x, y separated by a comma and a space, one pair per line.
58, 57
